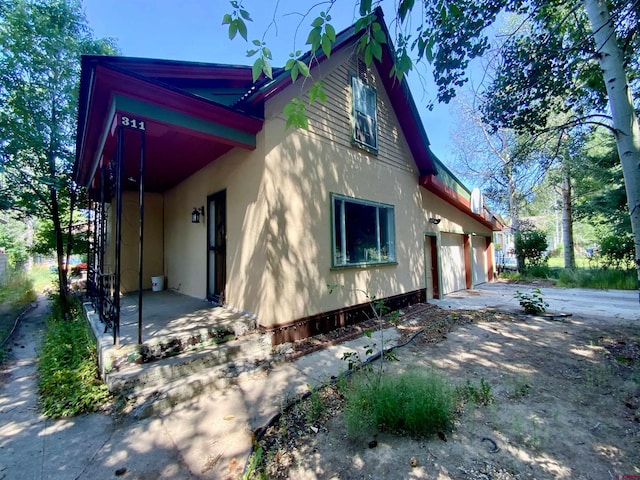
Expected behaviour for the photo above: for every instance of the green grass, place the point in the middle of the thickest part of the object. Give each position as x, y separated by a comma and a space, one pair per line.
43, 279
69, 382
416, 402
558, 262
17, 290
601, 279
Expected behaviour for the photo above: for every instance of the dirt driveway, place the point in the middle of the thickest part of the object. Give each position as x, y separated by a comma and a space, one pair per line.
566, 405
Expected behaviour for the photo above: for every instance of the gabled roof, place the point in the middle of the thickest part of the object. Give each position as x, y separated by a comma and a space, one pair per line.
210, 109
398, 92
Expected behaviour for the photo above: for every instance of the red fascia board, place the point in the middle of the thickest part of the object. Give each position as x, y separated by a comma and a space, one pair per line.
160, 68
449, 195
402, 102
147, 91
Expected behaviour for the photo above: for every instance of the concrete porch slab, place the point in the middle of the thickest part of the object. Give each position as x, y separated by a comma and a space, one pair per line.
171, 323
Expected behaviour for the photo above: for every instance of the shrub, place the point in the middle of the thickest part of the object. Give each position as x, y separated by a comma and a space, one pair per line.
415, 402
69, 382
617, 251
532, 302
531, 245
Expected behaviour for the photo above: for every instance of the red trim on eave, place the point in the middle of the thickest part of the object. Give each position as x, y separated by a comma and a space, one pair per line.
117, 82
449, 195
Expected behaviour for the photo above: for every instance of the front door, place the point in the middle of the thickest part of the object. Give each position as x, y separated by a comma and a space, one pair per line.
217, 246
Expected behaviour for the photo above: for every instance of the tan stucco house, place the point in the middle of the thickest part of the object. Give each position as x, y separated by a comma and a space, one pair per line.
357, 200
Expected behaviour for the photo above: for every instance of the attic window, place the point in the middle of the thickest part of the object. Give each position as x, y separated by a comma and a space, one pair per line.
364, 116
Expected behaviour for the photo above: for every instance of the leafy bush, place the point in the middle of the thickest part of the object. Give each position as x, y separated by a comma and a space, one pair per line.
617, 251
531, 245
416, 402
532, 302
69, 382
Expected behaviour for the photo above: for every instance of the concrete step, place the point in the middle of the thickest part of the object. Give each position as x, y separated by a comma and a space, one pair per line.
143, 402
228, 359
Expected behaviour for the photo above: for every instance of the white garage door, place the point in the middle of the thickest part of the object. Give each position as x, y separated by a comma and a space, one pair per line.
452, 255
479, 267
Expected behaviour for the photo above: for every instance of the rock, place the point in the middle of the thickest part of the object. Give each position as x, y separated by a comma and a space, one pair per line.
373, 444
414, 462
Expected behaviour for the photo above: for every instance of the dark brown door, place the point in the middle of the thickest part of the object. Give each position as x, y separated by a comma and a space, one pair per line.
217, 246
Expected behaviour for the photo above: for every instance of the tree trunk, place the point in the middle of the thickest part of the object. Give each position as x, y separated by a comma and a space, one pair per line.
567, 219
625, 121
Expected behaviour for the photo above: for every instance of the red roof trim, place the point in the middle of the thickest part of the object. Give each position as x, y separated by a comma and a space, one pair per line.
449, 195
147, 91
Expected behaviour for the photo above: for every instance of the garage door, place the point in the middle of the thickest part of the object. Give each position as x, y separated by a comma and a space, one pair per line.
479, 256
452, 258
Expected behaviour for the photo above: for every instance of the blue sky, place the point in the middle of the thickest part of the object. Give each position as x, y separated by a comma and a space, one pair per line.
192, 30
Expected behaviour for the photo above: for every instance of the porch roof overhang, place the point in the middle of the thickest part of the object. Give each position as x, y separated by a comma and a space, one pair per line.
183, 132
449, 195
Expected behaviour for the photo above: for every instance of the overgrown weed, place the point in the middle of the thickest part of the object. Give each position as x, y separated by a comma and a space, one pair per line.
69, 381
415, 402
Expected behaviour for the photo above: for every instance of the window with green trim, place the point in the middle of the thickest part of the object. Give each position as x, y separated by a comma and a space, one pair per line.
364, 122
363, 232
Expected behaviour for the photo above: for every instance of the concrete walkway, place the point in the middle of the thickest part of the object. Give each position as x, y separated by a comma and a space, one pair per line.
208, 437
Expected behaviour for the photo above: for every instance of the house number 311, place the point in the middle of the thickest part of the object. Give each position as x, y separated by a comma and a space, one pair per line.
133, 123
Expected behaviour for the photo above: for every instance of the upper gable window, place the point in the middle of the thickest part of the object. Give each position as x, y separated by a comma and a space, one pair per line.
364, 122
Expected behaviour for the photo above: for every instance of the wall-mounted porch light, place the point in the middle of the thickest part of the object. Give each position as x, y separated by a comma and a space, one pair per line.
195, 215
434, 220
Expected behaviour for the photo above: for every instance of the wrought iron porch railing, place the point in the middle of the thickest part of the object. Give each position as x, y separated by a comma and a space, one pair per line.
100, 290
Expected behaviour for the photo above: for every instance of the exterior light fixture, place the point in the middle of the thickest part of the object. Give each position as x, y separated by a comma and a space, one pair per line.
434, 220
195, 215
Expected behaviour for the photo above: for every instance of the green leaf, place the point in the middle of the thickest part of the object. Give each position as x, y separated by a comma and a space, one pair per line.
251, 53
377, 50
294, 72
242, 28
326, 45
314, 38
266, 68
289, 65
379, 36
454, 9
266, 53
404, 8
365, 7
368, 55
317, 22
256, 70
257, 43
330, 32
233, 29
304, 69
245, 15
226, 20
361, 24
316, 92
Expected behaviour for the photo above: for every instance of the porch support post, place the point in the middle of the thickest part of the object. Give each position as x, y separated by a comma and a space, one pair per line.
116, 293
102, 242
141, 244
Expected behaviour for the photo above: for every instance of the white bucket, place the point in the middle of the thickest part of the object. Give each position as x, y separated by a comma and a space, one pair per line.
157, 284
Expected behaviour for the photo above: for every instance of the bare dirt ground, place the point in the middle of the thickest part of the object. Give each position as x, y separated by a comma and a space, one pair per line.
566, 405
